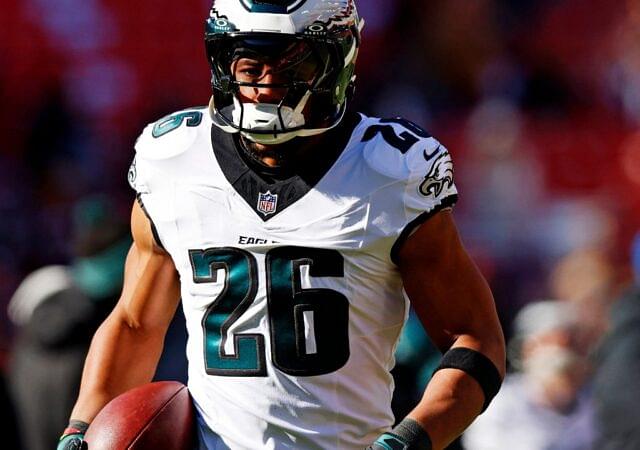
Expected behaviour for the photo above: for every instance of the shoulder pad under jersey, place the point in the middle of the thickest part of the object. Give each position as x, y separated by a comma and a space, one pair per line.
394, 147
171, 135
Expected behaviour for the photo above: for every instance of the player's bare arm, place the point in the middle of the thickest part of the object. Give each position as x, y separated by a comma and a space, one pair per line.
456, 307
126, 348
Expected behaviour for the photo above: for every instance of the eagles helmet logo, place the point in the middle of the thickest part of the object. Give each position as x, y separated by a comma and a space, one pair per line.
440, 176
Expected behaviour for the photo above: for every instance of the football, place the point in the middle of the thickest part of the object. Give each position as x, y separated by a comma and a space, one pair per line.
153, 416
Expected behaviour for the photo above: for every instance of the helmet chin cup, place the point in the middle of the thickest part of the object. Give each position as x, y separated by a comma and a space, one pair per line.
279, 121
269, 139
261, 122
266, 117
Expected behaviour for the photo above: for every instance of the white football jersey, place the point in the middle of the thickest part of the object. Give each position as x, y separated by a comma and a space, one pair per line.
291, 295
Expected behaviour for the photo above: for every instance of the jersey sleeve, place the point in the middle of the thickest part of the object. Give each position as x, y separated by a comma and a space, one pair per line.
429, 188
160, 150
142, 176
140, 171
414, 174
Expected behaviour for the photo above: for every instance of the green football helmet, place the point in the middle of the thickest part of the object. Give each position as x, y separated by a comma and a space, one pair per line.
313, 45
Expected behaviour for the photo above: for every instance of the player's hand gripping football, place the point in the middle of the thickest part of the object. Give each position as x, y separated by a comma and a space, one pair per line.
73, 436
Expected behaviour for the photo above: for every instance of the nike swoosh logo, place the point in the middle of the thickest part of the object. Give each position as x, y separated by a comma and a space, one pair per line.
429, 156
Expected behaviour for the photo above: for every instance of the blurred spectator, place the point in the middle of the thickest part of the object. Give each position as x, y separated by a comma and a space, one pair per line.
582, 276
588, 280
617, 384
546, 405
622, 75
56, 310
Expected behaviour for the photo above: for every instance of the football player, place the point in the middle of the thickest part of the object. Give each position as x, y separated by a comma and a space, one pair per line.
290, 227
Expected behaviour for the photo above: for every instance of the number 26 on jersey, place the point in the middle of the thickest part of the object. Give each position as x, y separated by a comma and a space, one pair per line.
309, 328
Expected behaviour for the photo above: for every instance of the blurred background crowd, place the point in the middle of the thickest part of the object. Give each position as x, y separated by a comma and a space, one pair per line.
538, 102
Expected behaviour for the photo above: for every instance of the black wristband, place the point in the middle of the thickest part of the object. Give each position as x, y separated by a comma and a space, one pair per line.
476, 365
407, 435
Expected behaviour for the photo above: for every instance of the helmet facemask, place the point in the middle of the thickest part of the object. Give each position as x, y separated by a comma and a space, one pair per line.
312, 72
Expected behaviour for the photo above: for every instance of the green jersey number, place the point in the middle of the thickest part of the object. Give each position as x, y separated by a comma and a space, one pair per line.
309, 328
173, 122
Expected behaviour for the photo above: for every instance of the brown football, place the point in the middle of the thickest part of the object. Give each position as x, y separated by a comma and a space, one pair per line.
153, 416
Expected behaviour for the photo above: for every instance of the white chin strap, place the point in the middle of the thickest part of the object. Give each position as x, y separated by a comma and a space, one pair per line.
265, 117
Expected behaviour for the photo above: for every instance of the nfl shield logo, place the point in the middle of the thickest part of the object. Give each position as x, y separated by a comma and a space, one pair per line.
267, 203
